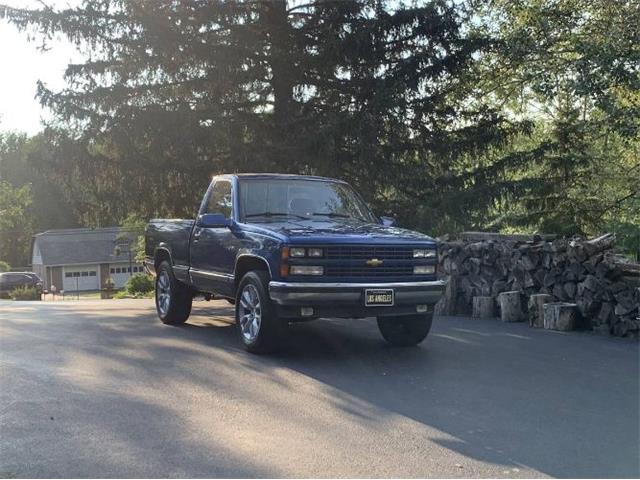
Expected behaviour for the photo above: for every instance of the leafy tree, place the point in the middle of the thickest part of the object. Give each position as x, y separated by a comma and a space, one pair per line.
28, 161
4, 266
132, 234
16, 229
571, 67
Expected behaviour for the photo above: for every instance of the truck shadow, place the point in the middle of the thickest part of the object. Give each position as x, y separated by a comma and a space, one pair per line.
506, 394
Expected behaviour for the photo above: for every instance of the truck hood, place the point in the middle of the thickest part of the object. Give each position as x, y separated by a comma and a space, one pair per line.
340, 231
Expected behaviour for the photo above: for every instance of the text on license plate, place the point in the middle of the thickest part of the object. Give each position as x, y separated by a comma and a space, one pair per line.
378, 297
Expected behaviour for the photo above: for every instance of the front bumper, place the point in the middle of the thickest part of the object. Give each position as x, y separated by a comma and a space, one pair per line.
347, 299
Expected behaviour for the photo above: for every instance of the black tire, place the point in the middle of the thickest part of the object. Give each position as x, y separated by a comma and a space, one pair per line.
405, 331
266, 334
179, 297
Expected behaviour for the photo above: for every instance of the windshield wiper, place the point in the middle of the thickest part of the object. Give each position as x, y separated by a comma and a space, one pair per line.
332, 215
275, 214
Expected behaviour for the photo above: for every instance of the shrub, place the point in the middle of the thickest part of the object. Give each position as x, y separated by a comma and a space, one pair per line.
25, 293
4, 266
140, 283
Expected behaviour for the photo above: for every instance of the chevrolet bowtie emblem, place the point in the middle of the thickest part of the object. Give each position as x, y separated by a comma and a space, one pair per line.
374, 262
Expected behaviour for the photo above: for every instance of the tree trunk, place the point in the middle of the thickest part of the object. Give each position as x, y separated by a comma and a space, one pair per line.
278, 31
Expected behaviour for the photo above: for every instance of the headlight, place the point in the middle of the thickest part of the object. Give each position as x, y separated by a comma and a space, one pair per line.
305, 270
424, 253
424, 269
299, 252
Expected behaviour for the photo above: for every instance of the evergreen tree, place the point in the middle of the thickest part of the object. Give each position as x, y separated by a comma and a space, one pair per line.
380, 93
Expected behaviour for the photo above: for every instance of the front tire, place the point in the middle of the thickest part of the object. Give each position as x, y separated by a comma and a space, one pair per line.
173, 298
405, 331
257, 323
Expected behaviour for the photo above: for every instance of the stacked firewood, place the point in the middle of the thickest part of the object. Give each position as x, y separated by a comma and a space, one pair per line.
604, 285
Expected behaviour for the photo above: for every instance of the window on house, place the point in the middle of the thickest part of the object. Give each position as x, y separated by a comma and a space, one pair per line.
92, 274
84, 274
68, 274
76, 274
113, 270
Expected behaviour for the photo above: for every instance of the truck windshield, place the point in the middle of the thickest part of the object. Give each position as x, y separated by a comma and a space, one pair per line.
301, 199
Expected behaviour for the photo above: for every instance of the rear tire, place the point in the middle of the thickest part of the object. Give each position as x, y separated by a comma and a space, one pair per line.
257, 323
173, 298
405, 331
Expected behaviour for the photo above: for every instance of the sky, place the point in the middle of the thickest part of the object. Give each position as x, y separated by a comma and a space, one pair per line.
21, 66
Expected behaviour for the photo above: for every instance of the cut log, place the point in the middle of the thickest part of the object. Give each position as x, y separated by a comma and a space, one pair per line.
483, 307
560, 316
536, 309
447, 303
605, 316
602, 283
510, 307
599, 244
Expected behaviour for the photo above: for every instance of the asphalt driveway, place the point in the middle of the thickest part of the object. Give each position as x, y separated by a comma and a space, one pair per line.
103, 389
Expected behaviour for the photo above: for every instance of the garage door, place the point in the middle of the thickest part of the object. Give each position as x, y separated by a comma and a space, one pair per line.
80, 278
120, 274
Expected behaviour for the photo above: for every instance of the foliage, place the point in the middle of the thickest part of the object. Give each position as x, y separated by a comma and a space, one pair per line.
24, 293
500, 115
16, 227
29, 161
376, 92
139, 283
572, 68
4, 266
132, 234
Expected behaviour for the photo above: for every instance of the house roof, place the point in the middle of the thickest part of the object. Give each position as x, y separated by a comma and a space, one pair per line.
81, 245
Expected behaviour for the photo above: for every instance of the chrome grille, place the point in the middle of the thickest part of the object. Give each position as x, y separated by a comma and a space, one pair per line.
357, 252
366, 271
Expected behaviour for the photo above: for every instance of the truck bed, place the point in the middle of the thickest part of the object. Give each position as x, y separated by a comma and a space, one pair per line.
172, 233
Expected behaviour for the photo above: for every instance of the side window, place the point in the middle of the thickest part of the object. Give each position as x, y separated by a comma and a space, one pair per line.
220, 199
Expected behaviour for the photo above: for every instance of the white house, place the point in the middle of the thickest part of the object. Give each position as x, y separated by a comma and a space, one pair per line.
82, 259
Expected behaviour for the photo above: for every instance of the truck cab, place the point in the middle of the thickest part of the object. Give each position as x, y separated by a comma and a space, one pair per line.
287, 248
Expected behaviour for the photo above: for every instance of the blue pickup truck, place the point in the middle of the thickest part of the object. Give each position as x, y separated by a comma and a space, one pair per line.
286, 248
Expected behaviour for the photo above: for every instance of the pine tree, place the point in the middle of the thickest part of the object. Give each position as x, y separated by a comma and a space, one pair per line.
377, 92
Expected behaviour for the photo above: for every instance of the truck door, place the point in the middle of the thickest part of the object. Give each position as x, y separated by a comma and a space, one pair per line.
213, 250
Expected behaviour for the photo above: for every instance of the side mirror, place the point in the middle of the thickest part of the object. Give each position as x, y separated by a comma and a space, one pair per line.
388, 221
214, 220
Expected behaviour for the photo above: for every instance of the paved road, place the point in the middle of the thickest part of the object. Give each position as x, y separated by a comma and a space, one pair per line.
103, 389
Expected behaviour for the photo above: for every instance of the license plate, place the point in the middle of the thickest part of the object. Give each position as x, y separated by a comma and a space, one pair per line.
378, 297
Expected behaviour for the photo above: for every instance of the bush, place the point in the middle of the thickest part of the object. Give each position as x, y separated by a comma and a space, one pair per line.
139, 284
25, 293
4, 266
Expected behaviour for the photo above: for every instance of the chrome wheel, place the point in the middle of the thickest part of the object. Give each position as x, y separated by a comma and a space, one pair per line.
250, 313
163, 292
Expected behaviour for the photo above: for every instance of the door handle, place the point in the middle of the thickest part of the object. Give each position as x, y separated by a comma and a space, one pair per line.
196, 235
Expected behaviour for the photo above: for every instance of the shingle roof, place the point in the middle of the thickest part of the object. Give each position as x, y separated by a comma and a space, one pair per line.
80, 245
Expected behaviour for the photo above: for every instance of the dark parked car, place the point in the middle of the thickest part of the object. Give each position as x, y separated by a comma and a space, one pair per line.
285, 248
11, 280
